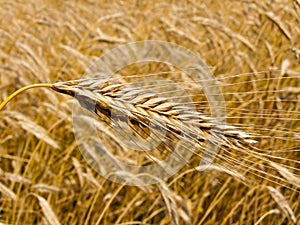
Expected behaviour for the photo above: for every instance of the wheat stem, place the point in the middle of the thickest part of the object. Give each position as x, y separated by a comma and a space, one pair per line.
13, 95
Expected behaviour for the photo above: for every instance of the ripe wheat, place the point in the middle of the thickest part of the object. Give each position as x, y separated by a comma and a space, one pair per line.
175, 121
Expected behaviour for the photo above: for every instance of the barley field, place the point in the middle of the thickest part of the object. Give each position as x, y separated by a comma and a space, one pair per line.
252, 48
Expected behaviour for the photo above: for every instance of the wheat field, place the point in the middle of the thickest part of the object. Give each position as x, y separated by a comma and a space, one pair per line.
251, 47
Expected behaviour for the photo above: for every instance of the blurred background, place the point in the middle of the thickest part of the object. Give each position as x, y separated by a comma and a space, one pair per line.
44, 178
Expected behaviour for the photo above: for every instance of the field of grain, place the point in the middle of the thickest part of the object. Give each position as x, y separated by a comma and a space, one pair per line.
251, 47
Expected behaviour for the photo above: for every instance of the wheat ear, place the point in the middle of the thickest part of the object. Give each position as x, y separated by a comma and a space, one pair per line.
141, 107
145, 108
